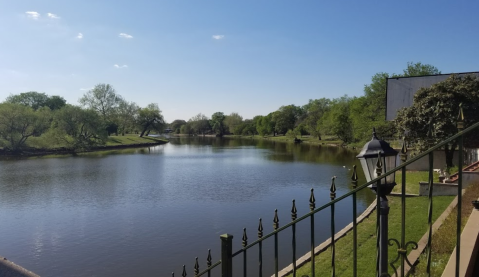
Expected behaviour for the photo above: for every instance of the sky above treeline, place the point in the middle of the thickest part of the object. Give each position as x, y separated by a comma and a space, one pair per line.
249, 57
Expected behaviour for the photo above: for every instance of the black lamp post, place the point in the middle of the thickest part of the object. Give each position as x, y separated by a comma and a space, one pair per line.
377, 157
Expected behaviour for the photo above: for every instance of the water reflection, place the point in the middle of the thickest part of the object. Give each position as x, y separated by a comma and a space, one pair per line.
142, 212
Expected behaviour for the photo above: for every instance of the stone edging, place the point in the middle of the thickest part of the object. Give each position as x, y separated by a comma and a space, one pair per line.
323, 246
469, 249
8, 268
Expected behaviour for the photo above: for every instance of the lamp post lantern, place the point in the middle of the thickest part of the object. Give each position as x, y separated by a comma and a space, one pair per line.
377, 157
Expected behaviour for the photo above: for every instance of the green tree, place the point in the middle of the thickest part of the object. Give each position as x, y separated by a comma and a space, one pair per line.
248, 127
150, 118
36, 100
292, 134
19, 122
432, 117
217, 123
337, 120
126, 116
102, 99
314, 110
419, 69
199, 124
186, 129
78, 128
369, 110
175, 126
232, 122
301, 129
286, 117
56, 102
265, 125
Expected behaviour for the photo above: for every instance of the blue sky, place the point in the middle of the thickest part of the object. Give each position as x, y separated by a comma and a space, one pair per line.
250, 57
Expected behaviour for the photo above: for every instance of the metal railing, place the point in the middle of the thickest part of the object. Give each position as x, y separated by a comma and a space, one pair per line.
227, 254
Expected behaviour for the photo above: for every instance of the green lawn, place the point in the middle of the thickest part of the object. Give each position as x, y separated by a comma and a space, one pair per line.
305, 139
412, 180
416, 227
444, 240
131, 139
42, 142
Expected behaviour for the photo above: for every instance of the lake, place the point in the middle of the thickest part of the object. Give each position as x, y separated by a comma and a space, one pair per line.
148, 211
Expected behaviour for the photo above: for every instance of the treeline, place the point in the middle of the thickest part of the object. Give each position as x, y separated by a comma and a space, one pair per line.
350, 119
102, 112
55, 123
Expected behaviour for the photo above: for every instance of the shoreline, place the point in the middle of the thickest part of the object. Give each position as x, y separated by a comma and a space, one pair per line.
284, 139
38, 152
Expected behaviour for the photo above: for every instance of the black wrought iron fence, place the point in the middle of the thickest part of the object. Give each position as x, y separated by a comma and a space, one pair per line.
227, 254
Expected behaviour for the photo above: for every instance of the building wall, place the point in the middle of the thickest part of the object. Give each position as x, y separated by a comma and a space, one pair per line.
400, 91
439, 161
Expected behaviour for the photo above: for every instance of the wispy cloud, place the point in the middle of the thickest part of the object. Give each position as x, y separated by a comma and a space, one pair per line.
80, 36
33, 15
120, 66
218, 37
123, 35
52, 15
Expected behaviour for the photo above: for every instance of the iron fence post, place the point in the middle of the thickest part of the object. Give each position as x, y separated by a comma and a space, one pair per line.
226, 255
403, 248
460, 128
355, 227
383, 236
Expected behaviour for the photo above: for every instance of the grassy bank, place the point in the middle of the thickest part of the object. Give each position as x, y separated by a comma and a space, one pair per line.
39, 146
416, 226
133, 139
326, 140
130, 139
412, 180
444, 240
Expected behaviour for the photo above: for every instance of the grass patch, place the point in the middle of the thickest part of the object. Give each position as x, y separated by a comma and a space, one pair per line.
412, 180
132, 139
43, 142
305, 139
52, 148
444, 240
416, 226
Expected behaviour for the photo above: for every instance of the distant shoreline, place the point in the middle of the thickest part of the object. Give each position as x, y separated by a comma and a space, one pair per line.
278, 138
40, 152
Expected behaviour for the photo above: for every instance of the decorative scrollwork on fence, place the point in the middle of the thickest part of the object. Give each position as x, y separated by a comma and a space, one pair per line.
402, 251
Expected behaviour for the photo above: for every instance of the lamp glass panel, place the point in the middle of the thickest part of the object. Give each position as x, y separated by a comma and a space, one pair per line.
389, 163
372, 167
364, 165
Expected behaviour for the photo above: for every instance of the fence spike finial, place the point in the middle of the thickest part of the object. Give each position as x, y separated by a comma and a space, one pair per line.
379, 165
184, 271
374, 133
403, 150
276, 220
260, 229
245, 238
430, 130
333, 188
197, 266
460, 119
208, 259
294, 211
312, 201
354, 177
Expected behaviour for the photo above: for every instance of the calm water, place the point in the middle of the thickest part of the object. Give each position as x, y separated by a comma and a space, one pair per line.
146, 212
